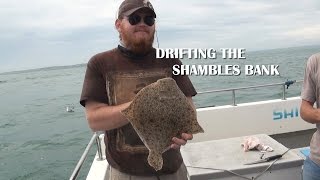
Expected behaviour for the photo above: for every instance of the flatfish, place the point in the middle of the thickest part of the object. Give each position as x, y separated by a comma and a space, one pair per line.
159, 112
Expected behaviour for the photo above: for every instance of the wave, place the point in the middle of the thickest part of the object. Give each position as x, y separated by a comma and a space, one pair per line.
7, 125
45, 69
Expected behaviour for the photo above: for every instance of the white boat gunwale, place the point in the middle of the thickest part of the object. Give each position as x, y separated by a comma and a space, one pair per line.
100, 163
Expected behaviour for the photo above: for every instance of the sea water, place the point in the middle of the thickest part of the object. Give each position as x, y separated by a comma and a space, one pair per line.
39, 139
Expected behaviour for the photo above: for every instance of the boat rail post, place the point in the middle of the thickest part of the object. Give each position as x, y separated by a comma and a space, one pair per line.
234, 97
76, 170
100, 158
283, 92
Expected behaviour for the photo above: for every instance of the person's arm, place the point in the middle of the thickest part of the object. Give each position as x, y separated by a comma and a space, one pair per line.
309, 113
102, 117
177, 143
309, 91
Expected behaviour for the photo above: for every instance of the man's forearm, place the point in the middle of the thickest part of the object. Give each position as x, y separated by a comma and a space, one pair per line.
102, 117
309, 113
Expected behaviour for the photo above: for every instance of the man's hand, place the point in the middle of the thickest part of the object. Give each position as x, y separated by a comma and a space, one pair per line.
177, 143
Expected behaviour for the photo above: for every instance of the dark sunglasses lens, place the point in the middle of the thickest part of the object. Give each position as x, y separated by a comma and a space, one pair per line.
134, 19
149, 20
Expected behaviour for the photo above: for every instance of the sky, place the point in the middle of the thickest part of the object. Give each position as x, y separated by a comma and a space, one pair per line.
38, 33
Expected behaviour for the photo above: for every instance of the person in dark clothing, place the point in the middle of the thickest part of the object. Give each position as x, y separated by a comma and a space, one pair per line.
112, 80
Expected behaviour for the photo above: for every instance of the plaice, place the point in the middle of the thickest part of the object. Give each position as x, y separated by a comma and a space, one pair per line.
159, 112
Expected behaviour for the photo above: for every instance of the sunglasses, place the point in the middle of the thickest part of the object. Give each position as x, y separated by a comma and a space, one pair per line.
135, 19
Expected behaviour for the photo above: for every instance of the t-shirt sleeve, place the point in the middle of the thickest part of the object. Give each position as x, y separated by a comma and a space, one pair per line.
94, 84
308, 92
184, 82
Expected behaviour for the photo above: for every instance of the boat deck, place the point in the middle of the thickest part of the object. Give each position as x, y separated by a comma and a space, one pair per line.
225, 159
227, 155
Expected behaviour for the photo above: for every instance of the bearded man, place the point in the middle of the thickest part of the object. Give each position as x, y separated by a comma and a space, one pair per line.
112, 80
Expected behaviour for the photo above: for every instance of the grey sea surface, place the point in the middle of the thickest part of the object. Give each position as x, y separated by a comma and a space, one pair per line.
39, 139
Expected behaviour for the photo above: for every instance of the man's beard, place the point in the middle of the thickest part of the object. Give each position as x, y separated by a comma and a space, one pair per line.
139, 46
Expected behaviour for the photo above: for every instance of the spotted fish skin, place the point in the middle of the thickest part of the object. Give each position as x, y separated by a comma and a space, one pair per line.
159, 112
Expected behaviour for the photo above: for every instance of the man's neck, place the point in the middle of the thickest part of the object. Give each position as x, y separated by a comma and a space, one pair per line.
129, 53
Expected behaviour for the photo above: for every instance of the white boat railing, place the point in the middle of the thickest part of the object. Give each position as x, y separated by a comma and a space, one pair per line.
285, 85
96, 138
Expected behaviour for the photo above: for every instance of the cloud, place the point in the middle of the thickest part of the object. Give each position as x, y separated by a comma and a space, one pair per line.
305, 32
56, 14
70, 32
254, 25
